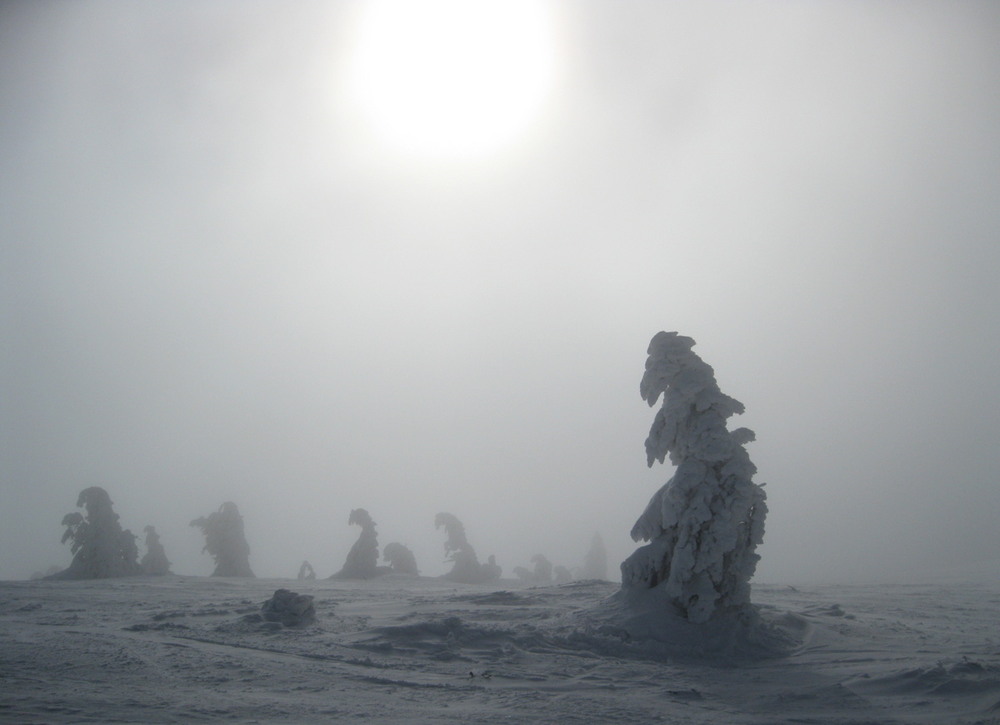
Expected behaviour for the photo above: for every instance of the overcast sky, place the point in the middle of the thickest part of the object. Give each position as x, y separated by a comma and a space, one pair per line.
216, 284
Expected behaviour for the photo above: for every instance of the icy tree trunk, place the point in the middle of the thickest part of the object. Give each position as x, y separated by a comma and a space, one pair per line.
705, 523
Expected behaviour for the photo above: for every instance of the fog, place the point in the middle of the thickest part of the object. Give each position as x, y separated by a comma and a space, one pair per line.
215, 283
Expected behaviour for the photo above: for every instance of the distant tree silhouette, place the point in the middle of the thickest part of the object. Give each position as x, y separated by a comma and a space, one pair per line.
543, 569
225, 541
400, 558
362, 559
541, 574
562, 574
465, 565
101, 549
595, 563
491, 570
155, 560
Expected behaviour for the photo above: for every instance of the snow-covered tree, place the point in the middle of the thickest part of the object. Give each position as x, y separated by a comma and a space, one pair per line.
101, 549
155, 560
595, 563
705, 523
225, 541
400, 558
490, 571
362, 559
458, 550
466, 567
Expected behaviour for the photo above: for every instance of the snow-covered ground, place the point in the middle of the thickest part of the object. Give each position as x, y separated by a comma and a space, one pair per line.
408, 649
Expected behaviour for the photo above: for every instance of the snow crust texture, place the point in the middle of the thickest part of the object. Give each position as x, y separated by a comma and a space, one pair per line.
704, 525
404, 649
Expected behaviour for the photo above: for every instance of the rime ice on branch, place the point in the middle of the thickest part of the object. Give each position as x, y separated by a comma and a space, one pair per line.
362, 559
101, 549
705, 523
225, 541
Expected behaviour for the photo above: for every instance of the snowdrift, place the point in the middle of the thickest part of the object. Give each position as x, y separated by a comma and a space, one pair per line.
403, 648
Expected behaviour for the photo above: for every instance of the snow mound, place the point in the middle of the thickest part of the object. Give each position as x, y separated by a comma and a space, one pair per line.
641, 620
289, 608
964, 679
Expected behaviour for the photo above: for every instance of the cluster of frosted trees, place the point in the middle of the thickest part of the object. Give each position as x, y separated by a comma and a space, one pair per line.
362, 559
102, 549
543, 571
702, 527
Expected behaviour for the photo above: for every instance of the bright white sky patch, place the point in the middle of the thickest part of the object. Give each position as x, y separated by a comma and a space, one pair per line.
451, 78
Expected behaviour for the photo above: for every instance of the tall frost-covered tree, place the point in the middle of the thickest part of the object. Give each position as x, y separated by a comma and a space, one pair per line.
362, 559
225, 541
101, 549
458, 550
705, 523
465, 564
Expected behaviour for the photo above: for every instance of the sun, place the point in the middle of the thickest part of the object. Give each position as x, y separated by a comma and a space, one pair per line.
451, 78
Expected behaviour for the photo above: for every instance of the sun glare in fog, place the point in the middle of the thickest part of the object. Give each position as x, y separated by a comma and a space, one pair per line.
451, 78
